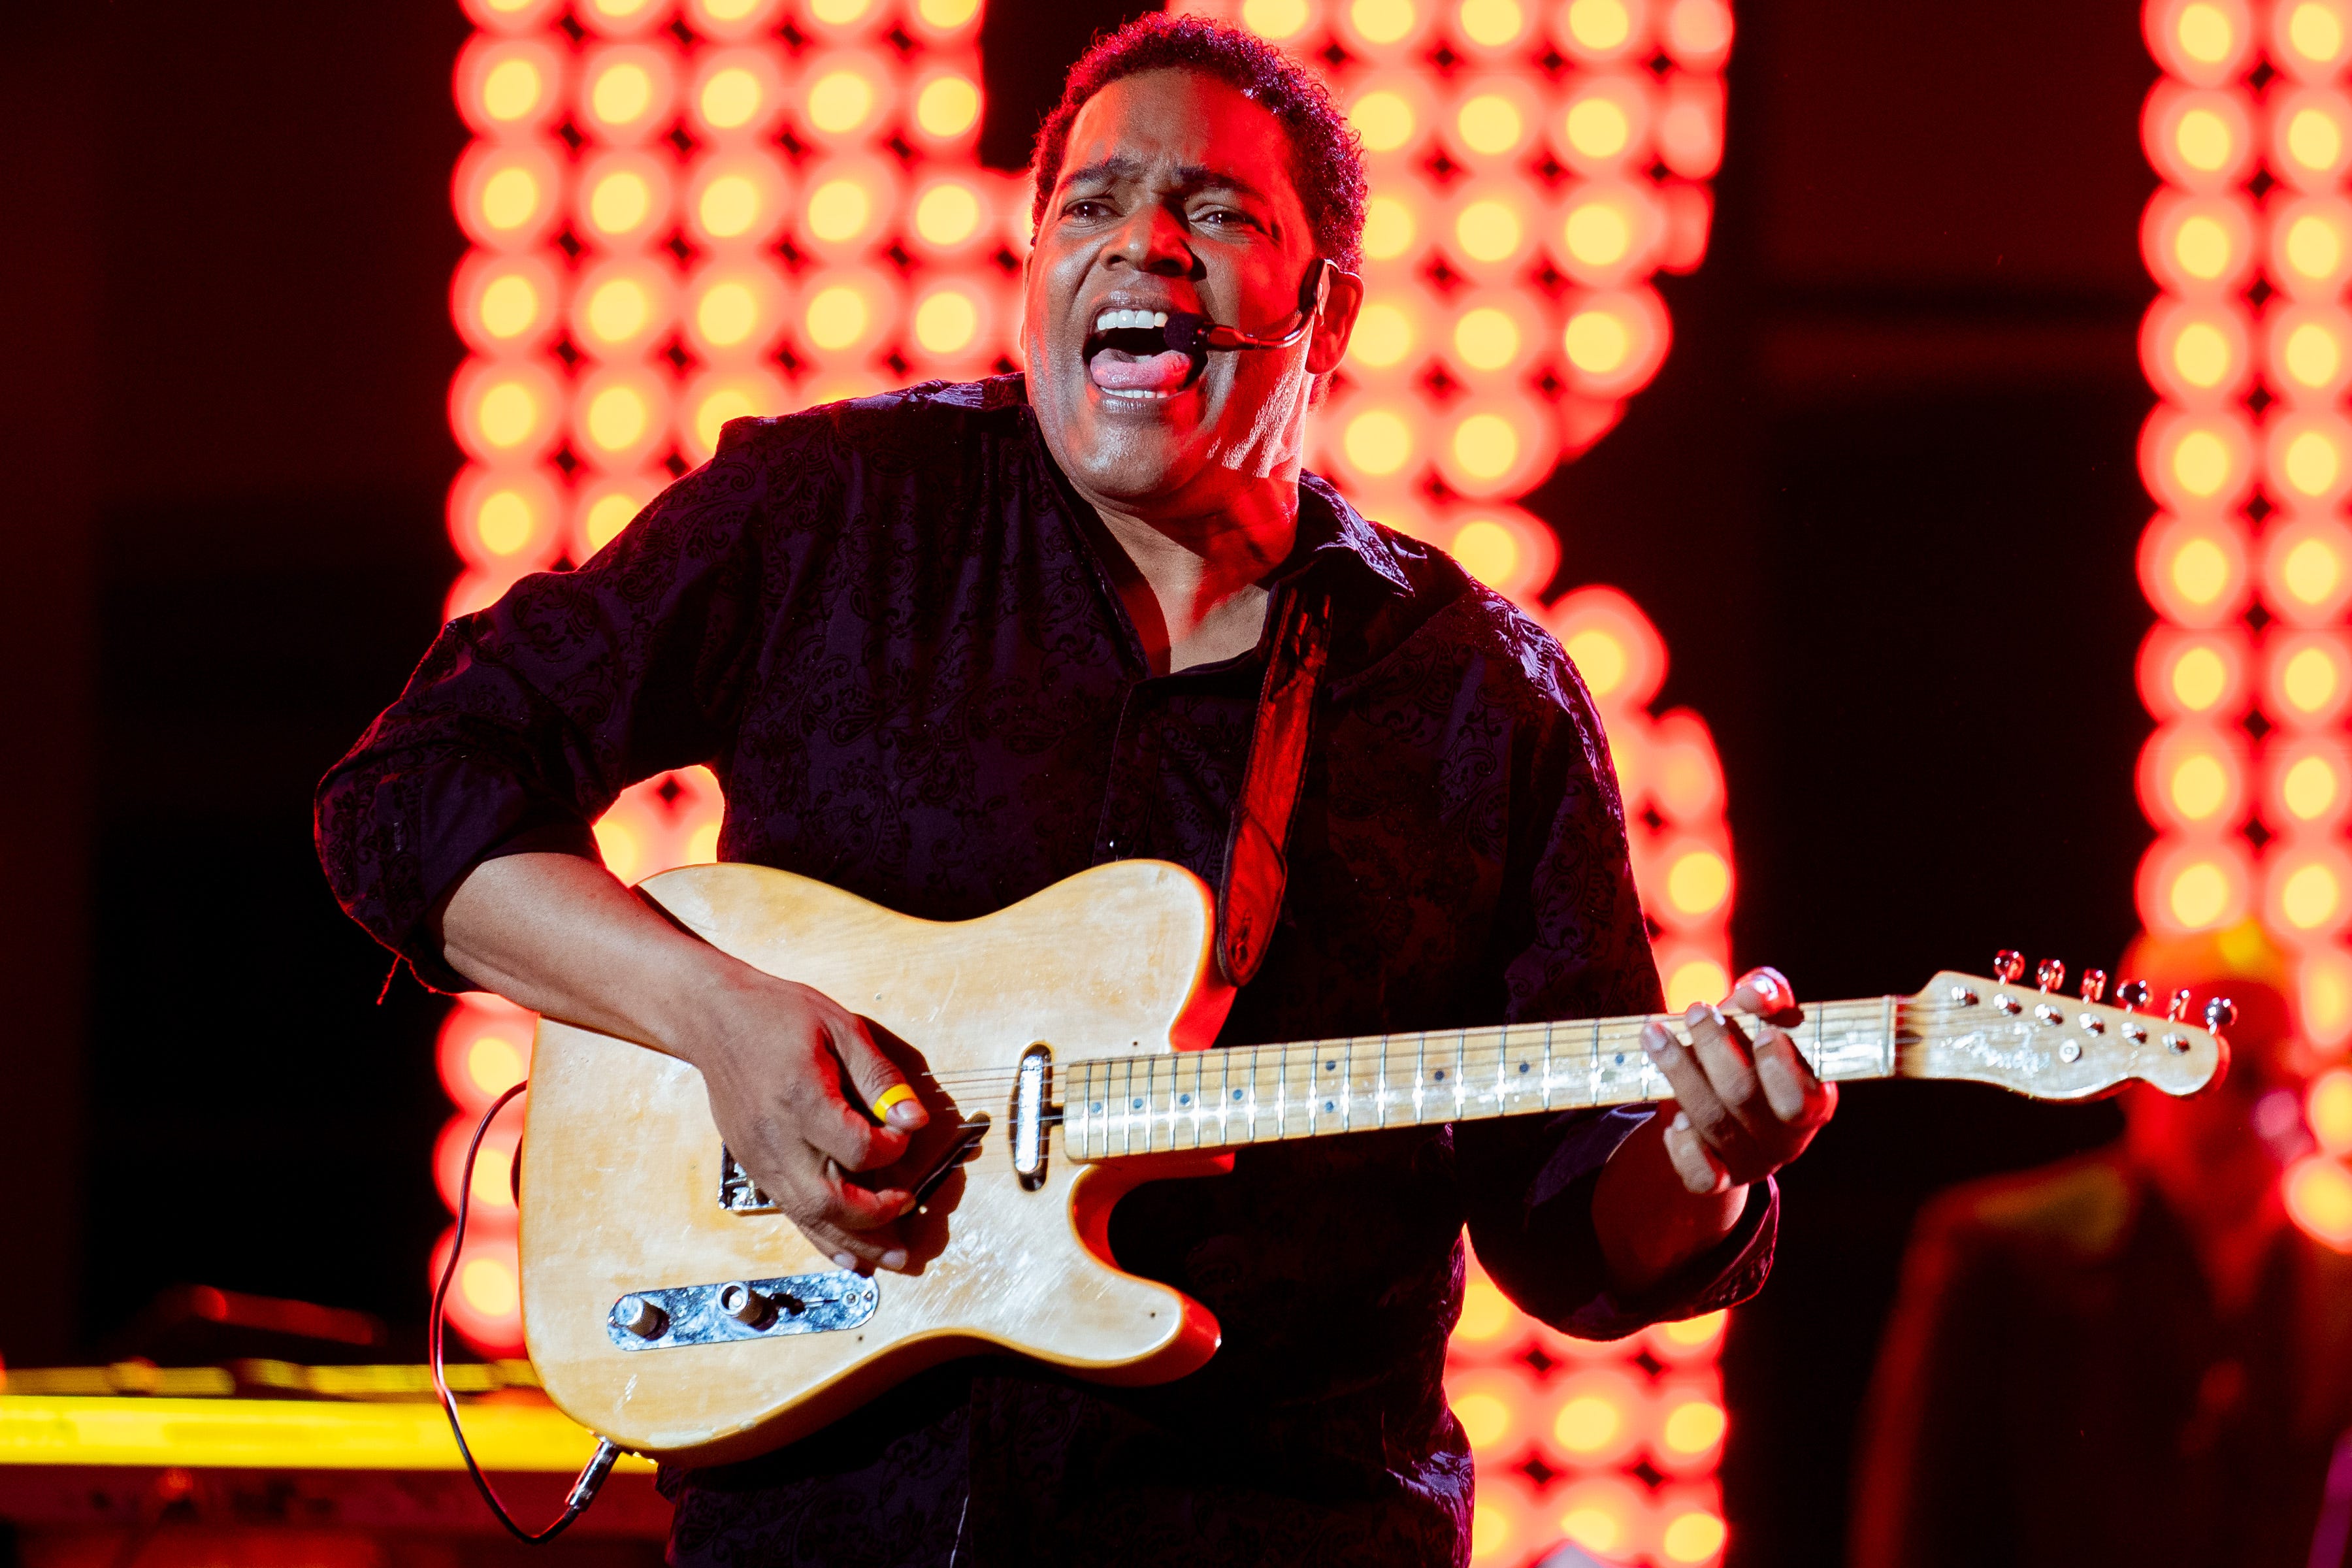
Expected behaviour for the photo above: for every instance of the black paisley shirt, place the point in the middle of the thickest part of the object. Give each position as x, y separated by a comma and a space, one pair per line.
882, 625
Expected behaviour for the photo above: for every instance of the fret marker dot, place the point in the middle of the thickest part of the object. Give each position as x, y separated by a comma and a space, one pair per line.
1329, 1106
1440, 1074
1183, 1100
1136, 1105
1238, 1094
1096, 1108
1330, 1067
1621, 1058
1523, 1067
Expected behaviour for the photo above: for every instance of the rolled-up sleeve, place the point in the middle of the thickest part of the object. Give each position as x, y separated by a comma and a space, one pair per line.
525, 720
1573, 944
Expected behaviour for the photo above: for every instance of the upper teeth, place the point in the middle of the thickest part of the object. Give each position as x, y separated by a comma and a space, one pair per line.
1112, 321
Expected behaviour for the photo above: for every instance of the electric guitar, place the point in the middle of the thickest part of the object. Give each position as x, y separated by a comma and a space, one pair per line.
1062, 1046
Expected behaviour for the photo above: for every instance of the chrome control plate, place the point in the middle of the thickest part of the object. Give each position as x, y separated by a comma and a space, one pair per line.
692, 1314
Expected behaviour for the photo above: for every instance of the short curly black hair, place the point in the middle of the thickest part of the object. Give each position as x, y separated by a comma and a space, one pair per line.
1326, 162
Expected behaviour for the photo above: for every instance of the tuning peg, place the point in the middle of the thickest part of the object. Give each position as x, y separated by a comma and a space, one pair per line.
2009, 963
2050, 974
2094, 984
2178, 1008
2132, 995
2219, 1014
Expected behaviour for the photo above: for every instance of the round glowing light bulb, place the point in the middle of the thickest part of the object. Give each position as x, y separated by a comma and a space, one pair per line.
1601, 659
509, 306
620, 202
836, 316
731, 205
946, 321
2313, 140
2203, 139
511, 90
606, 518
2309, 788
2311, 570
2311, 463
1491, 23
1384, 120
1383, 335
2199, 895
2201, 463
1486, 338
510, 197
1698, 979
2201, 247
840, 102
2319, 1195
1489, 123
619, 310
503, 523
488, 1287
838, 210
1699, 27
494, 1179
622, 94
1693, 1427
1597, 127
1692, 1537
1597, 342
2201, 355
2327, 1107
2312, 355
1377, 442
1487, 549
1599, 25
839, 12
1486, 1312
2200, 787
2204, 34
2199, 679
1388, 228
1489, 229
2308, 681
617, 416
2310, 896
1598, 234
1593, 1527
702, 845
1587, 1423
507, 414
2312, 247
948, 107
1485, 1419
1698, 882
2315, 33
947, 213
2200, 570
1274, 18
727, 313
947, 14
493, 1064
728, 10
1485, 446
1383, 21
727, 403
731, 97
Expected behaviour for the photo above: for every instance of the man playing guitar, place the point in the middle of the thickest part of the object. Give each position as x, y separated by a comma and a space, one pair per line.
947, 646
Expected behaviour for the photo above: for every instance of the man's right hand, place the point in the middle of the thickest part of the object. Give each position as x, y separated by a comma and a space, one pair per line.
782, 1063
789, 1071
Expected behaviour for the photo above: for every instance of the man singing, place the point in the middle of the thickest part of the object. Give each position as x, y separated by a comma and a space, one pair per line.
948, 646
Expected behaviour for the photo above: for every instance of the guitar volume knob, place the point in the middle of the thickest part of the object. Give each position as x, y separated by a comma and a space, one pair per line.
746, 1306
640, 1316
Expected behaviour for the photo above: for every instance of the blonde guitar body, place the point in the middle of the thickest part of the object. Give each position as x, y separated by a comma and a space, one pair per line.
621, 1160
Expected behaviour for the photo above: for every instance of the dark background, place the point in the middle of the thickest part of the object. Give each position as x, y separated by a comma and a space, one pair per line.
1881, 501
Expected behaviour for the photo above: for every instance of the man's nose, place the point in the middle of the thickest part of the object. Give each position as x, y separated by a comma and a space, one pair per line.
1153, 239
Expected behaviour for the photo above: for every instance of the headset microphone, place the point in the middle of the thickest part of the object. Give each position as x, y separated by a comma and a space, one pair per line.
1192, 333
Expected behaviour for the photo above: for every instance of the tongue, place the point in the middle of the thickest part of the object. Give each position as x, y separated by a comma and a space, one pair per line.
1114, 370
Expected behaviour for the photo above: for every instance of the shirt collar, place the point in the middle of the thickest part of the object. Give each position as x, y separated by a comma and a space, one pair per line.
1337, 528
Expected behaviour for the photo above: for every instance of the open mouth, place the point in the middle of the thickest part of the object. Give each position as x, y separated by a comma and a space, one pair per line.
1128, 356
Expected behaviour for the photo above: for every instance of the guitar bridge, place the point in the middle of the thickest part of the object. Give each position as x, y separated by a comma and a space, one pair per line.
738, 1192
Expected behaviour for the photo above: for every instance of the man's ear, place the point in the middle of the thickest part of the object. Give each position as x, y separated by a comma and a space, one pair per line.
1343, 296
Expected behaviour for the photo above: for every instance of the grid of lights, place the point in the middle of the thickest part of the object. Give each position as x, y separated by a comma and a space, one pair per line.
2248, 777
686, 210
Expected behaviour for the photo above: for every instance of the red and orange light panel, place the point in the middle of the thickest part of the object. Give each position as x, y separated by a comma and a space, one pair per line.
683, 211
2248, 561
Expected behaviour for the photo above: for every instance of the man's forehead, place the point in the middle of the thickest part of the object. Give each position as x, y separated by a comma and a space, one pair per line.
1179, 128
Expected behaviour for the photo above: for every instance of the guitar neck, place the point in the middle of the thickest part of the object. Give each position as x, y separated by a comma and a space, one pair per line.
1222, 1099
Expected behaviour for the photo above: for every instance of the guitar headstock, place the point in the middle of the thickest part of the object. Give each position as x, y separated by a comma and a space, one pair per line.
2035, 1039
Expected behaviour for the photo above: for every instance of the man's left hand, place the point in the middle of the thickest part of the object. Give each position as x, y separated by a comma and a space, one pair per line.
1741, 1109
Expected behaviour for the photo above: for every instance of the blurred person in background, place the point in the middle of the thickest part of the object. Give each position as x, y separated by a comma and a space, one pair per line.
2132, 1356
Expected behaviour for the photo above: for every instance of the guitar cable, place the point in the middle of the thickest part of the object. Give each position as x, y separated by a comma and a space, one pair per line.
599, 1464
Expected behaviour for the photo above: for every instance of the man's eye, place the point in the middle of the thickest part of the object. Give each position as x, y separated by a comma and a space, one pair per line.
1086, 210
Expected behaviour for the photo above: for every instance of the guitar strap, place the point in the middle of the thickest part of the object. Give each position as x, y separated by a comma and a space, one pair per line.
1249, 894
